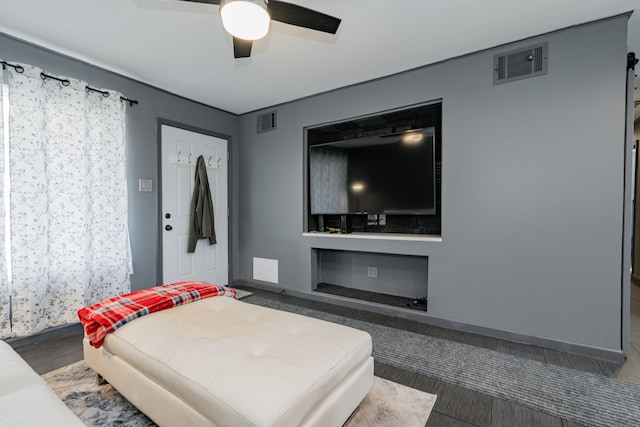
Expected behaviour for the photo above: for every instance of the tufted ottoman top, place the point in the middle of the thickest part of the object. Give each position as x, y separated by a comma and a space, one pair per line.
240, 364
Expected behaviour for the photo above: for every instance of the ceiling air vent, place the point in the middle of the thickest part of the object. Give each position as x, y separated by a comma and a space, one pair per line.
266, 121
520, 64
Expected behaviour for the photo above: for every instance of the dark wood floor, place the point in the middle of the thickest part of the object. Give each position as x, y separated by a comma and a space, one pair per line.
46, 352
455, 406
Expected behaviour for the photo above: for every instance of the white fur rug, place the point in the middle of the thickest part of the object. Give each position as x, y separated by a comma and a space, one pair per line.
388, 404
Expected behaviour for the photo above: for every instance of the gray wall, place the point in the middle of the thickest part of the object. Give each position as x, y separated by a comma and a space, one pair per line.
142, 144
532, 183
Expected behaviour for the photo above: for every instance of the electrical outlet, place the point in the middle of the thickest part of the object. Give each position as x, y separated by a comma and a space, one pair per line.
372, 272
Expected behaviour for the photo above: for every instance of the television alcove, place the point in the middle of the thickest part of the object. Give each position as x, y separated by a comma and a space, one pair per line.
377, 174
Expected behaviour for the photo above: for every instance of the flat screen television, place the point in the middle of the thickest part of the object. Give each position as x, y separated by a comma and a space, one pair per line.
390, 174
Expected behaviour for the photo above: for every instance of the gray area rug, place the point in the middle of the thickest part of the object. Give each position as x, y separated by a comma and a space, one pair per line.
241, 294
387, 405
582, 397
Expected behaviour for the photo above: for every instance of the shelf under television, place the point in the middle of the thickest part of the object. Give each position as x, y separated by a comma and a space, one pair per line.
376, 236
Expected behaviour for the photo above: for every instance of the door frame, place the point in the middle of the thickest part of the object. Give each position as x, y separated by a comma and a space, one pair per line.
159, 252
628, 209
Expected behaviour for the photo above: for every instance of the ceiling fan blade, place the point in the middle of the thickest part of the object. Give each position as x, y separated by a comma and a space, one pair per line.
203, 1
241, 48
302, 17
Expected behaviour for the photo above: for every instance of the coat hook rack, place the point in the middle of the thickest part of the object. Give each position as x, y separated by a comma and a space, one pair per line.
211, 163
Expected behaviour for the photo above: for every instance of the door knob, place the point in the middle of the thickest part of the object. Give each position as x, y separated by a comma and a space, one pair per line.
167, 215
168, 227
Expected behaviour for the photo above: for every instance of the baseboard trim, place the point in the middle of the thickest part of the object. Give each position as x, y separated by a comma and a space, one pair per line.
47, 334
425, 317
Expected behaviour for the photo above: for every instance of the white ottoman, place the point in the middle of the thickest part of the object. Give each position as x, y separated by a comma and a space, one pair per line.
223, 362
25, 399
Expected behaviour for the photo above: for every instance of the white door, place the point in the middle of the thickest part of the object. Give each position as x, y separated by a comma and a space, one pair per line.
180, 150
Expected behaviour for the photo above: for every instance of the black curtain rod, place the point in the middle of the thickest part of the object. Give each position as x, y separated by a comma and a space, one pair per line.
103, 92
131, 102
66, 82
106, 95
18, 68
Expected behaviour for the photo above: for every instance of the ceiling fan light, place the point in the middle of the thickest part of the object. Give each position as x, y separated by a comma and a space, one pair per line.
245, 19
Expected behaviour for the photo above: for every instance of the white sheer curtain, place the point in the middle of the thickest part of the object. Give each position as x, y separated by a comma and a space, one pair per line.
4, 284
69, 233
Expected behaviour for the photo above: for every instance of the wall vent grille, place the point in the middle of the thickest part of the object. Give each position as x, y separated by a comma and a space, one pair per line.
520, 64
267, 121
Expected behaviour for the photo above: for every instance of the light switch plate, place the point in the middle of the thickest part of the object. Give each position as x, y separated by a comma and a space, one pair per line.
145, 185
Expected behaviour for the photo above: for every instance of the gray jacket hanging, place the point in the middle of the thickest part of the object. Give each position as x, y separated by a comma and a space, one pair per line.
201, 223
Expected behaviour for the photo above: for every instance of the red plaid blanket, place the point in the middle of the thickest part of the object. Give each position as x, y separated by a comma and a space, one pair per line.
106, 316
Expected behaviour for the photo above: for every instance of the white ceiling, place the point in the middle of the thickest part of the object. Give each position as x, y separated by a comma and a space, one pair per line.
182, 48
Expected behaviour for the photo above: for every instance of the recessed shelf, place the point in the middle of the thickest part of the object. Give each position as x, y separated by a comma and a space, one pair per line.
393, 300
391, 279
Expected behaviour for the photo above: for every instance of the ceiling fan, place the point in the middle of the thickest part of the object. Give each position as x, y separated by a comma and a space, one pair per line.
248, 20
